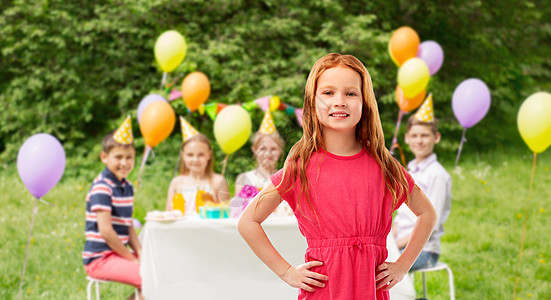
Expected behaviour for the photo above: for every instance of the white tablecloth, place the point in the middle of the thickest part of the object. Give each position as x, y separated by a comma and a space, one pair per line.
208, 259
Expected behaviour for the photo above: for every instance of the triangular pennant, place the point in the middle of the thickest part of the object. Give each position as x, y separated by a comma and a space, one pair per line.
210, 108
201, 109
219, 107
426, 111
249, 105
174, 94
263, 102
187, 130
267, 126
123, 135
275, 102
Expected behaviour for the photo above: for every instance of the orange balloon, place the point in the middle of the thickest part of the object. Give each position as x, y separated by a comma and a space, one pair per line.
403, 44
157, 122
195, 90
406, 104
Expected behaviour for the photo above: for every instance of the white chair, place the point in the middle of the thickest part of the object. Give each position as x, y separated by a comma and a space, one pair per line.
97, 282
438, 267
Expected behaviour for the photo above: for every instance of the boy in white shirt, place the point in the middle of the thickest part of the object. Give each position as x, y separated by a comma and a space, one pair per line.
421, 136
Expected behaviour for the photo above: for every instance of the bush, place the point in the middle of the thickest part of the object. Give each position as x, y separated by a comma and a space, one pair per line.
75, 70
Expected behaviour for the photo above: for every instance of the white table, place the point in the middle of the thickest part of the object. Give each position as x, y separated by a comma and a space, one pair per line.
208, 259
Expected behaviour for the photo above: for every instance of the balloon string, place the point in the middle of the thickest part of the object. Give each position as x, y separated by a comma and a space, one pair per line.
463, 139
35, 209
176, 167
163, 81
224, 163
517, 279
145, 155
395, 138
397, 146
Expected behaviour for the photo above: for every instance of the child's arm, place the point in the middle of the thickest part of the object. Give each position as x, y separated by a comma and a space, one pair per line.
171, 189
437, 195
392, 272
223, 190
134, 242
110, 236
239, 183
250, 229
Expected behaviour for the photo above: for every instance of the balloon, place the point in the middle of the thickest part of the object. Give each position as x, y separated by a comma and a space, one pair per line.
392, 56
195, 90
40, 163
403, 44
170, 50
406, 104
137, 224
232, 128
157, 122
146, 101
534, 121
470, 101
432, 54
413, 77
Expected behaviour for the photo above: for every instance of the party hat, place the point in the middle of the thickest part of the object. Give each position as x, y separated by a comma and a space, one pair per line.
123, 135
426, 111
187, 130
267, 126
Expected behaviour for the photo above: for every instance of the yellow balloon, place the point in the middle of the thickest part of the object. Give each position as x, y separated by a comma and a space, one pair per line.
232, 128
170, 50
413, 77
274, 103
534, 121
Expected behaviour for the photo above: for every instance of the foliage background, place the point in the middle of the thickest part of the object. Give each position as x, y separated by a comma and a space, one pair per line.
75, 69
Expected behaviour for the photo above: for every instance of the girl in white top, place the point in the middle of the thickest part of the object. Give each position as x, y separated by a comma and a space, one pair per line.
197, 175
267, 149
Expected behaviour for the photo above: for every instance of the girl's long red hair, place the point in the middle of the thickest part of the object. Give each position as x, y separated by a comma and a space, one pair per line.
369, 133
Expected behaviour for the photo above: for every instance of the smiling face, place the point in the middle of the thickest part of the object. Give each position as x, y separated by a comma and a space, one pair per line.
196, 156
421, 140
267, 153
339, 99
119, 160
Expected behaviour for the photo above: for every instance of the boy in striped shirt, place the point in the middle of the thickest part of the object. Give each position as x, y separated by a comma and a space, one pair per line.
109, 208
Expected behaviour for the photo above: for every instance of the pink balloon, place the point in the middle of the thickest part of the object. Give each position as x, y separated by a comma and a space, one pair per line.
471, 101
40, 163
431, 53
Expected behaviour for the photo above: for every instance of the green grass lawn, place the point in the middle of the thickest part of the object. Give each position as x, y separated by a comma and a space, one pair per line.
481, 244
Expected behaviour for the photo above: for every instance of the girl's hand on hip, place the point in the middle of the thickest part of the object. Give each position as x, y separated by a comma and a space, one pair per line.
301, 276
388, 274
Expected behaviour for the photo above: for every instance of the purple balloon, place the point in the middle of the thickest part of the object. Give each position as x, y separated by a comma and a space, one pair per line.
431, 53
471, 101
146, 101
40, 162
137, 224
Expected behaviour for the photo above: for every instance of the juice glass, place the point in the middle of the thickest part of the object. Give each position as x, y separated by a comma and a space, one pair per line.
179, 203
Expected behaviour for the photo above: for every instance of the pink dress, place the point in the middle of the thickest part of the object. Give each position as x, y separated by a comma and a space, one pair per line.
354, 216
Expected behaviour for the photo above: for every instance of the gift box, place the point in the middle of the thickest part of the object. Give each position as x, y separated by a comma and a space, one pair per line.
214, 211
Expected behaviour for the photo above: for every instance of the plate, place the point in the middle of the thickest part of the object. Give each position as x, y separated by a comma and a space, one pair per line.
164, 220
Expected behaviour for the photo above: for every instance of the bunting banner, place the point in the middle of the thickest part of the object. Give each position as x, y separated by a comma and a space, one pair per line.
266, 103
270, 102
